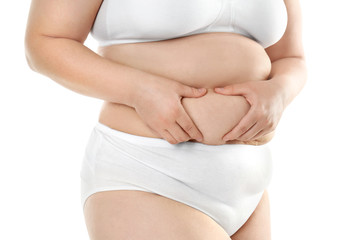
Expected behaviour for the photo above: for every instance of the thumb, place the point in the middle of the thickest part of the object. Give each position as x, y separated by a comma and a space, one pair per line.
187, 91
233, 89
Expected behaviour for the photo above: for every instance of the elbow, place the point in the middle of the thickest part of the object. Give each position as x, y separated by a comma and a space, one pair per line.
34, 52
29, 60
29, 51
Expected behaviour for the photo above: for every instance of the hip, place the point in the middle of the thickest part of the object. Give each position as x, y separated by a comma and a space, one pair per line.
220, 171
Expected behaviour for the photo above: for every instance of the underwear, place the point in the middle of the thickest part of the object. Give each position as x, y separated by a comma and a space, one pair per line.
226, 182
131, 21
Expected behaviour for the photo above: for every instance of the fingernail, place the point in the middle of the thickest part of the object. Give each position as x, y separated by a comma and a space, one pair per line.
201, 89
219, 89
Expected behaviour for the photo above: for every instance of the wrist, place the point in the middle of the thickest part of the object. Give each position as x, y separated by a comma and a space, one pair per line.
144, 86
281, 90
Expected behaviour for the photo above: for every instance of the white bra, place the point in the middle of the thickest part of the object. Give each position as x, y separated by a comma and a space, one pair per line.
130, 21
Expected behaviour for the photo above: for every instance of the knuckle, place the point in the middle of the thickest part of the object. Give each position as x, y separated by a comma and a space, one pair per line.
163, 121
193, 91
243, 128
246, 139
180, 87
229, 88
260, 113
174, 111
272, 127
188, 127
160, 117
268, 121
244, 136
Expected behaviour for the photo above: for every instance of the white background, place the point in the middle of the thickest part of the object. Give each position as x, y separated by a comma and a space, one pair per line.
44, 128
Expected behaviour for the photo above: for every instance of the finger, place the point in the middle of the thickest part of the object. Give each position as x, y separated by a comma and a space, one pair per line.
188, 125
263, 133
187, 91
249, 135
178, 133
233, 89
259, 134
243, 126
168, 137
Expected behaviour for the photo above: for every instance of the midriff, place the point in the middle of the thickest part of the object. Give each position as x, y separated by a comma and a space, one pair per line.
203, 60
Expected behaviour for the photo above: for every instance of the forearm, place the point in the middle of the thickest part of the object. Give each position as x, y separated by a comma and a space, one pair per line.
79, 69
290, 74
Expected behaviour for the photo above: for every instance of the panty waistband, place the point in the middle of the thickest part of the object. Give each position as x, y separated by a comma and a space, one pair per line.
159, 142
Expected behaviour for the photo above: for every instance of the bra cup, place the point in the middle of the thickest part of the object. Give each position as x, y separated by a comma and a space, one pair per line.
126, 21
265, 21
153, 19
99, 30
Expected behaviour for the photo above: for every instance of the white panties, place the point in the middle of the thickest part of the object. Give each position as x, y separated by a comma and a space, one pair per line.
226, 182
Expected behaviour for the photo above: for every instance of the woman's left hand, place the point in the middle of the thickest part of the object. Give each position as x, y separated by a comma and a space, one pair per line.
267, 106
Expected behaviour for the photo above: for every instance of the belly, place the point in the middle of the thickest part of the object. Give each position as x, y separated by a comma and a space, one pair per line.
204, 60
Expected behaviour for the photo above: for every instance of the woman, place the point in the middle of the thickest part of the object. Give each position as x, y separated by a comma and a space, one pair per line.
165, 160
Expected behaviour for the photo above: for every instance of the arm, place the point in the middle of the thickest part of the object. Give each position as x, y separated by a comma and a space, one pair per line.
268, 99
287, 56
55, 34
54, 47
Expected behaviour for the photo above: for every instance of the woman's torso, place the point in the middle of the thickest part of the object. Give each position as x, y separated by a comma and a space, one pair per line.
203, 60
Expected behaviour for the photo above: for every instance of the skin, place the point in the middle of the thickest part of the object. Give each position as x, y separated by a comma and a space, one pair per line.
58, 52
203, 60
287, 78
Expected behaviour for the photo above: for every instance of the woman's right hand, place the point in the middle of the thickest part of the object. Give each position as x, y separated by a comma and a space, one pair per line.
158, 103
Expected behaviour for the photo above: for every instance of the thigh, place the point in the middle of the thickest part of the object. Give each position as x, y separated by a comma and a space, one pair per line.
139, 215
258, 226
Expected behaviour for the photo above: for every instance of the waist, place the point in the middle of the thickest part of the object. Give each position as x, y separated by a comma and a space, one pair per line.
202, 60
